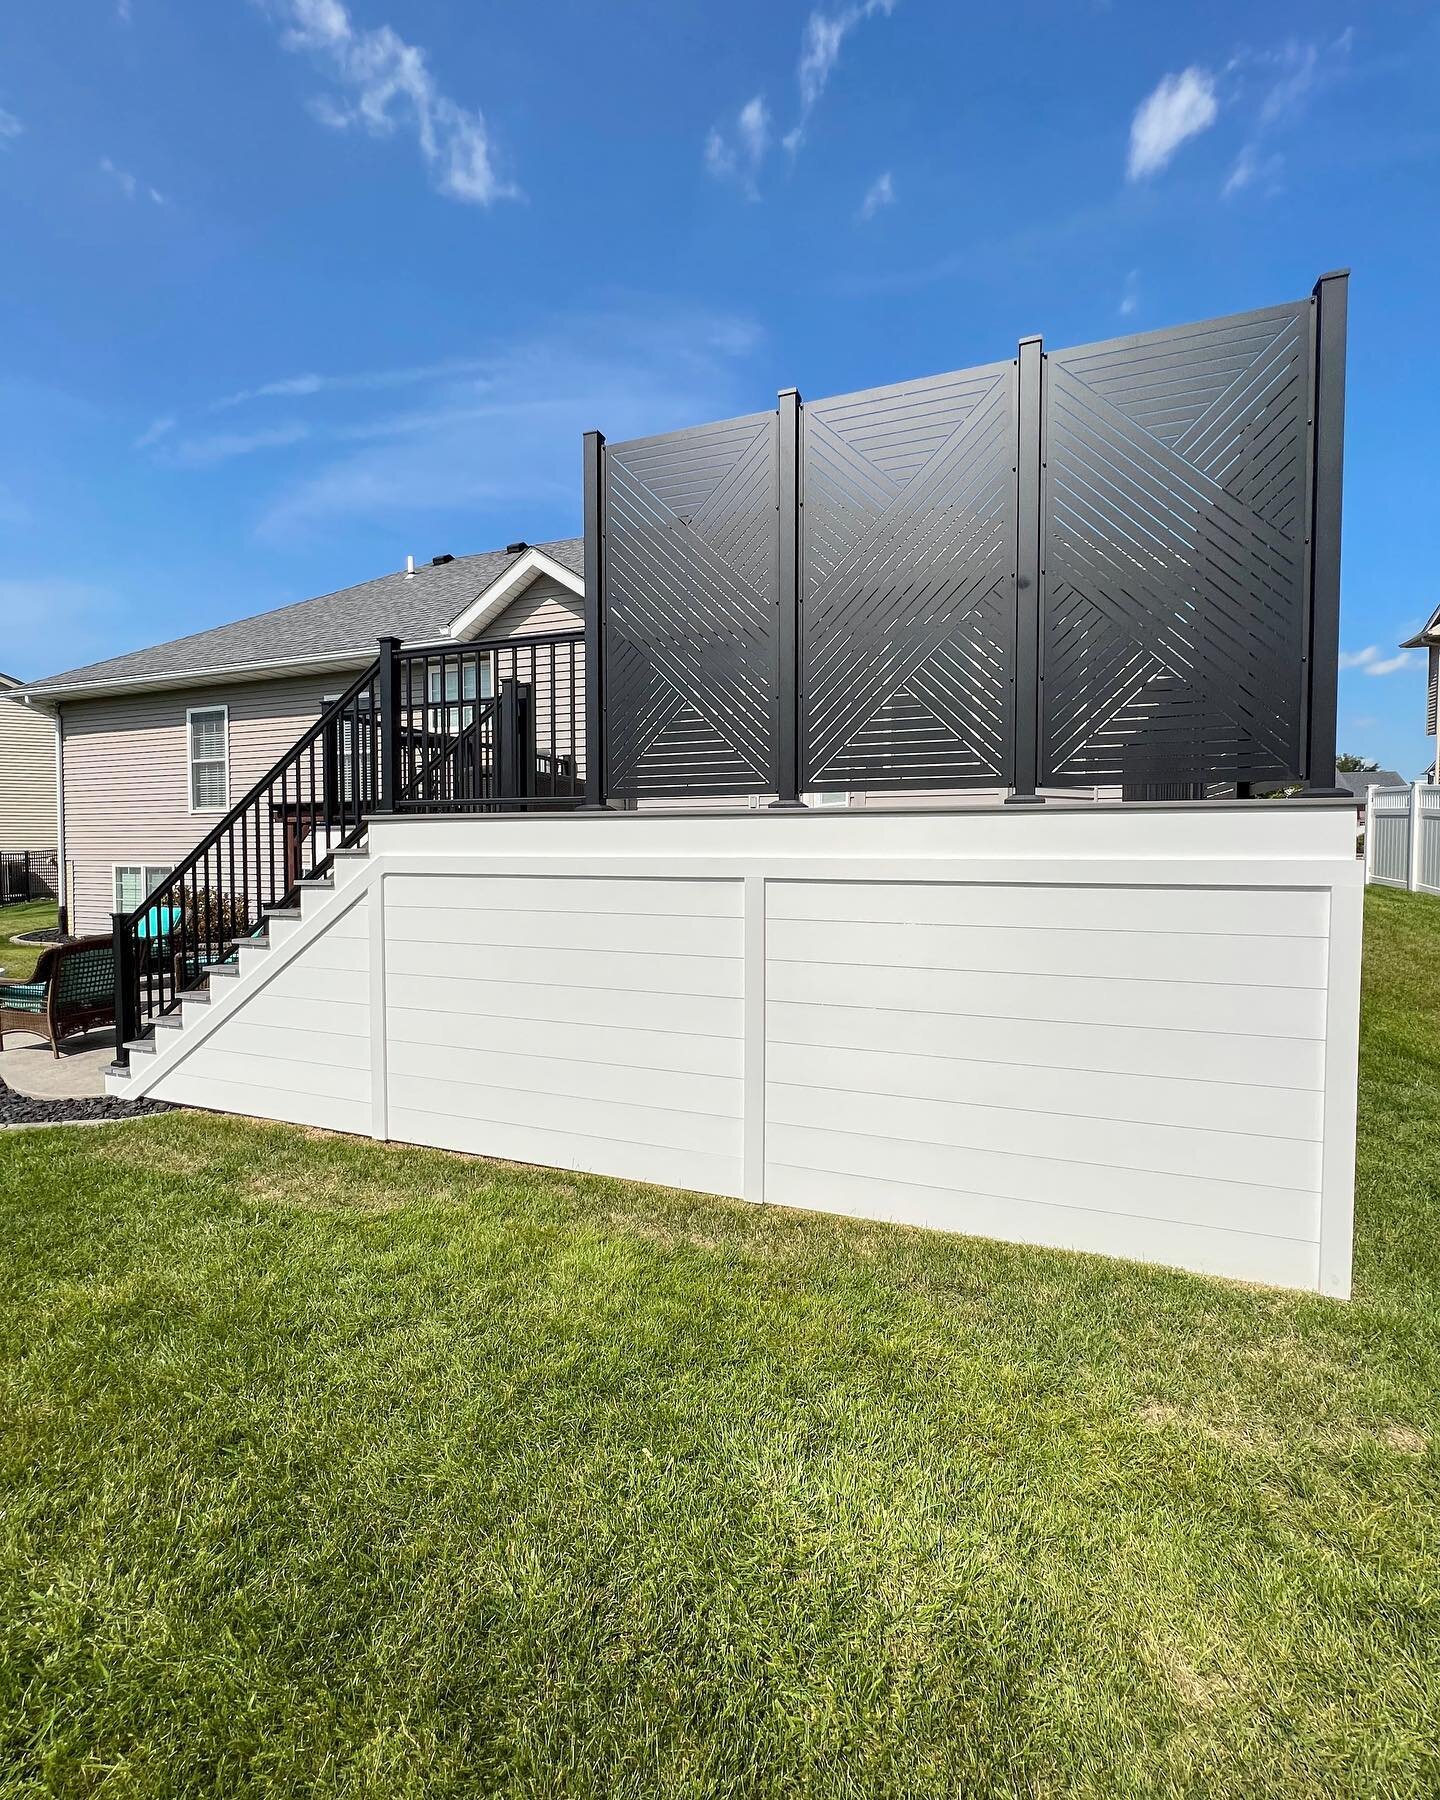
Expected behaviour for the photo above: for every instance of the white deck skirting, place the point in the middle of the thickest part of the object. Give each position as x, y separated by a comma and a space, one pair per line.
1130, 1029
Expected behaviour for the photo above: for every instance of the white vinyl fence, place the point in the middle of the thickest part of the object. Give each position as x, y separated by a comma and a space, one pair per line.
1402, 837
1120, 1029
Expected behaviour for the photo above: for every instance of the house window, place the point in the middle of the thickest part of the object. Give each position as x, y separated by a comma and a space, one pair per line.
462, 677
135, 882
209, 758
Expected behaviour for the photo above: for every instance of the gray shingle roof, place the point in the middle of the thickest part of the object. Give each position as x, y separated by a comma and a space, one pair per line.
332, 626
1357, 780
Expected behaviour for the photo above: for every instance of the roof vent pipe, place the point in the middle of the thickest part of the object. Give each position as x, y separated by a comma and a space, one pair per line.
409, 568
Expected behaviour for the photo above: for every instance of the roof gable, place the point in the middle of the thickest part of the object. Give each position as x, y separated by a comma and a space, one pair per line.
508, 585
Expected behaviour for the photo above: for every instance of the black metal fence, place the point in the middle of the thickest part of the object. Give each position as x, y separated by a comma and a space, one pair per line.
28, 875
1116, 564
428, 728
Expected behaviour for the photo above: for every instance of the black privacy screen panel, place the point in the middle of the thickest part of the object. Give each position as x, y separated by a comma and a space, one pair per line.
907, 584
690, 602
1174, 554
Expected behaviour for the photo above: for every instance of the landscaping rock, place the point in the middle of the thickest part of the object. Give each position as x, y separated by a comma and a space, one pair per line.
23, 1109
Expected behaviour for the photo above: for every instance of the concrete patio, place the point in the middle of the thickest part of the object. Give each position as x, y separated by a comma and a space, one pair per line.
29, 1066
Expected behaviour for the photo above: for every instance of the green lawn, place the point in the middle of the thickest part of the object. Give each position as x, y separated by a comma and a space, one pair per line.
332, 1469
19, 960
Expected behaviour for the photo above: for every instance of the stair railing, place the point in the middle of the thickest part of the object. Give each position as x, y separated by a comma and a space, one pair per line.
284, 830
426, 728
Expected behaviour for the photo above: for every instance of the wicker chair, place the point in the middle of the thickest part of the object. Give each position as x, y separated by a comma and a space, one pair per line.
73, 991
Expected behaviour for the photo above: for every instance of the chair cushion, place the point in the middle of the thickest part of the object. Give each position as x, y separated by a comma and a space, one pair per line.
23, 996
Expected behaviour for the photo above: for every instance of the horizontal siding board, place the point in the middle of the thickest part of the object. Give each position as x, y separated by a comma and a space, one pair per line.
1191, 1005
27, 777
1048, 1180
1163, 1100
566, 894
1159, 1149
1187, 1055
646, 934
564, 1076
441, 995
620, 971
685, 1168
281, 1044
1037, 950
282, 1065
523, 1035
226, 1093
1281, 912
1209, 1250
540, 1112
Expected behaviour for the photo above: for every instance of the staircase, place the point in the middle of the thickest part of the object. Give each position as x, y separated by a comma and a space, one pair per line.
486, 727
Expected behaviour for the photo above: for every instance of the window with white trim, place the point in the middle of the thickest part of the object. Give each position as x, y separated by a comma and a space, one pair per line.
135, 882
209, 729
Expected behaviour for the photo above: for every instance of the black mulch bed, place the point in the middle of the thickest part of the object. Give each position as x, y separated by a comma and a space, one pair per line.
22, 1109
49, 934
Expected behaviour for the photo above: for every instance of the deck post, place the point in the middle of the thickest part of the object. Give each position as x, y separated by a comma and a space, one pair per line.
126, 994
593, 475
1327, 424
787, 671
1029, 710
389, 701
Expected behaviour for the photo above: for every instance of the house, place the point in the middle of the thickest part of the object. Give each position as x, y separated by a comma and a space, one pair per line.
477, 902
27, 791
1428, 638
156, 745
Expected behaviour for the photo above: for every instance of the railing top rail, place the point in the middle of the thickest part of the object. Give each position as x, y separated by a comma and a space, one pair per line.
450, 646
227, 823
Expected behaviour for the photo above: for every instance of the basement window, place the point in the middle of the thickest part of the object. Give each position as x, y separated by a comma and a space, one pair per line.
209, 731
135, 882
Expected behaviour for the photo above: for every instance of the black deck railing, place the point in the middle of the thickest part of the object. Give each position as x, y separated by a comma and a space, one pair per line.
484, 727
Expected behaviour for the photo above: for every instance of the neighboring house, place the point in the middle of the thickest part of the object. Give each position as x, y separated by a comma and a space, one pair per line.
158, 744
1428, 638
27, 773
1360, 781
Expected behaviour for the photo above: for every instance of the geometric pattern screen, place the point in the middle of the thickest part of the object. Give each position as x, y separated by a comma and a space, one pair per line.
1174, 554
908, 585
1173, 515
691, 592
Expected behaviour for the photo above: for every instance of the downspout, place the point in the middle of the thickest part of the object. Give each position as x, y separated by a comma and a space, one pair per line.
62, 883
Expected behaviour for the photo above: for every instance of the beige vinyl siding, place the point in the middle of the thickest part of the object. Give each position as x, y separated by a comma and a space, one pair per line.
27, 777
127, 772
547, 607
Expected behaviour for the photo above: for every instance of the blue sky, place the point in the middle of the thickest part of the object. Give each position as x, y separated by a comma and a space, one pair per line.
293, 288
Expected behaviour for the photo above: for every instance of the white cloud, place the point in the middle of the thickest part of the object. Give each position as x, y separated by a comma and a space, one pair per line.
879, 194
1130, 295
739, 158
1252, 169
820, 46
130, 185
1370, 662
157, 429
10, 126
301, 387
221, 446
509, 435
389, 82
1299, 66
1180, 107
